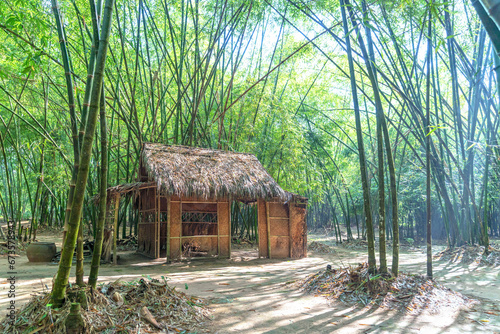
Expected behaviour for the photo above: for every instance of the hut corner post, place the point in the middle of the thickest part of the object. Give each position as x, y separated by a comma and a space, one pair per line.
268, 231
168, 231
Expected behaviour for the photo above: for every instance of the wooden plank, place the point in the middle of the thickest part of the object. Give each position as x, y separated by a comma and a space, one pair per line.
115, 229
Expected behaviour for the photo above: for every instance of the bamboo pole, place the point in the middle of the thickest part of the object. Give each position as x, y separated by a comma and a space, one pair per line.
268, 231
168, 230
62, 277
115, 228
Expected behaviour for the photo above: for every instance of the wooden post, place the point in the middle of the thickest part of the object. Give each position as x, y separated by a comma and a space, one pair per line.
168, 229
157, 223
115, 228
268, 231
229, 227
290, 242
218, 233
180, 233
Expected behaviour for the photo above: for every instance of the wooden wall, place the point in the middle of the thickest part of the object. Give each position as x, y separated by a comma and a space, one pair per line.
282, 230
178, 239
148, 219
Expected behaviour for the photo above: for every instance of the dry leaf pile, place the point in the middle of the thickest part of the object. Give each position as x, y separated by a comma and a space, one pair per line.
144, 306
319, 247
470, 255
409, 293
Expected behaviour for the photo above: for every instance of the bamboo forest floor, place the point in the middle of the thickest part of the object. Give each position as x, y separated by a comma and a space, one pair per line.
250, 295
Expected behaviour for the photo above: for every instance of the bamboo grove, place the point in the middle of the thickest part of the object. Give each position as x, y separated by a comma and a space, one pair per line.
385, 115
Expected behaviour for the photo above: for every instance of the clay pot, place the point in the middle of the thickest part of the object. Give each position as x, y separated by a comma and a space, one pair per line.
41, 251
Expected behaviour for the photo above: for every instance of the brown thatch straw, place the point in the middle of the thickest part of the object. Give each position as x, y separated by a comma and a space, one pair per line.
121, 189
207, 173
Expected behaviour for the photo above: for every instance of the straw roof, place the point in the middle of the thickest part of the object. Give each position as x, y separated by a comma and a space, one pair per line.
208, 173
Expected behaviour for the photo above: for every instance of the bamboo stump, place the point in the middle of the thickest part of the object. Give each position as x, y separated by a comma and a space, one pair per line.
74, 322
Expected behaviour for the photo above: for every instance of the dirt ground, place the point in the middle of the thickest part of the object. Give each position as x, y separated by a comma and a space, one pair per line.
252, 295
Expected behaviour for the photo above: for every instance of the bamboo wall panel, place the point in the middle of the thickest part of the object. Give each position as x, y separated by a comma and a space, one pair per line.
279, 227
278, 210
175, 219
298, 230
146, 239
262, 227
199, 207
224, 246
148, 199
199, 246
280, 247
175, 249
223, 217
191, 229
163, 239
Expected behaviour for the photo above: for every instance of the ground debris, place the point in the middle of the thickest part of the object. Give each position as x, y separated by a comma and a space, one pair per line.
355, 244
127, 243
408, 293
165, 307
470, 255
320, 247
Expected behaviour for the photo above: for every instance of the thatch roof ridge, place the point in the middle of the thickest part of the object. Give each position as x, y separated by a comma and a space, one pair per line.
208, 173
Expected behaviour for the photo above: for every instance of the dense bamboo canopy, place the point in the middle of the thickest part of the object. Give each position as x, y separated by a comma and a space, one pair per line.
208, 173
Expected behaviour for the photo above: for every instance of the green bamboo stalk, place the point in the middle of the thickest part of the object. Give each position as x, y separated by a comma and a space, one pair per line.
71, 104
428, 146
99, 235
62, 277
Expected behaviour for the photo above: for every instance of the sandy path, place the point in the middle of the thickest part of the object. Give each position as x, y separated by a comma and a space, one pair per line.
250, 295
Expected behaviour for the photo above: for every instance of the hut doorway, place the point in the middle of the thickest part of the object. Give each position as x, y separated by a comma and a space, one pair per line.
244, 221
244, 230
200, 230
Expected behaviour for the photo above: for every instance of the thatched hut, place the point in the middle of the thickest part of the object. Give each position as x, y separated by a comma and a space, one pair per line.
185, 197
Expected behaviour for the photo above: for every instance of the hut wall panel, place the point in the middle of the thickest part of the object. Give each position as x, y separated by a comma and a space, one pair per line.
163, 204
278, 210
146, 239
280, 247
224, 246
147, 198
223, 218
205, 244
199, 207
163, 239
298, 230
262, 227
189, 229
175, 253
279, 227
175, 219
